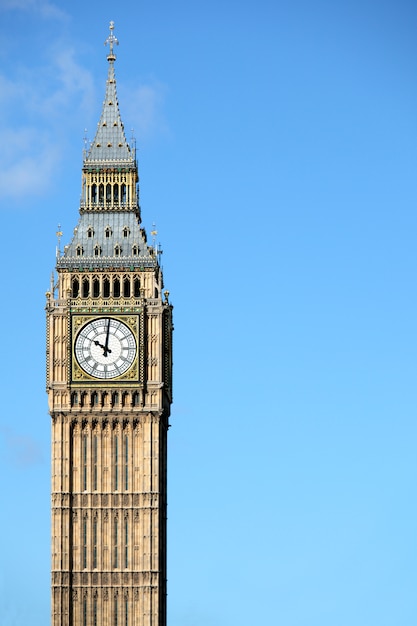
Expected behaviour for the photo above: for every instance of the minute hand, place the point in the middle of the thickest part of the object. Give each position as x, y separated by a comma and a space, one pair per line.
106, 349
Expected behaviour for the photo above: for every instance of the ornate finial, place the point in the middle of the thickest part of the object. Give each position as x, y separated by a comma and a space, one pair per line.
59, 235
111, 40
154, 233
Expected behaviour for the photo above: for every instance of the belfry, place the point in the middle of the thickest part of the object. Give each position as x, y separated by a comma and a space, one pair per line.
109, 385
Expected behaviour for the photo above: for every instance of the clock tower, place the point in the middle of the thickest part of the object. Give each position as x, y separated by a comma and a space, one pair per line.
109, 375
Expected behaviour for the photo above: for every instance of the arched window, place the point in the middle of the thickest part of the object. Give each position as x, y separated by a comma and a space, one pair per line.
75, 287
126, 464
116, 194
90, 232
95, 542
108, 192
117, 250
96, 288
79, 251
116, 288
135, 250
95, 460
126, 232
85, 547
85, 462
106, 288
86, 288
126, 287
123, 192
97, 251
74, 398
94, 193
116, 463
101, 193
136, 287
108, 232
126, 541
115, 398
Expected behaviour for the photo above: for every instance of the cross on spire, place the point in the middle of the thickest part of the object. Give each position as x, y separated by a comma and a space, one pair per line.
111, 40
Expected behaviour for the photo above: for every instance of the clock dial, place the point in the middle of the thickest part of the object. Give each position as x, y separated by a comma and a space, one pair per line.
105, 348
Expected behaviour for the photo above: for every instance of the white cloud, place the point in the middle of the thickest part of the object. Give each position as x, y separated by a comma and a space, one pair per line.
27, 163
74, 89
23, 451
38, 109
143, 109
44, 8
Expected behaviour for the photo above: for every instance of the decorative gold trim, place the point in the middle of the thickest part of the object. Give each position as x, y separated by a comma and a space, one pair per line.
78, 375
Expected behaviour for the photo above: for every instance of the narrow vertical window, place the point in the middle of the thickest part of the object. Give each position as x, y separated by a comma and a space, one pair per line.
75, 287
95, 611
116, 194
84, 459
126, 612
126, 288
95, 543
84, 543
95, 463
123, 192
116, 543
86, 287
126, 462
96, 282
126, 555
106, 288
94, 193
108, 192
116, 288
136, 287
116, 610
116, 462
84, 611
101, 192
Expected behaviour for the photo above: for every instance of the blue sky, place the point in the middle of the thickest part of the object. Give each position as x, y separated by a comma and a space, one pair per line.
277, 155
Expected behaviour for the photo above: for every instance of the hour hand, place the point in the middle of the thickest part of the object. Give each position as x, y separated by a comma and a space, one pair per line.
106, 350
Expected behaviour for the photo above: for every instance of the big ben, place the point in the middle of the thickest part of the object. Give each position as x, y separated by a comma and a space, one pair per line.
109, 385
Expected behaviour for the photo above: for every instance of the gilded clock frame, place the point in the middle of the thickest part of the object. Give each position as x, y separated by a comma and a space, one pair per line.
132, 375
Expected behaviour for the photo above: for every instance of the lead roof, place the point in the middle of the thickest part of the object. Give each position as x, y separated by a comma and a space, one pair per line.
125, 244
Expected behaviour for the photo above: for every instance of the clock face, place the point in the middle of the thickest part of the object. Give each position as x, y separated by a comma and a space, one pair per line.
105, 348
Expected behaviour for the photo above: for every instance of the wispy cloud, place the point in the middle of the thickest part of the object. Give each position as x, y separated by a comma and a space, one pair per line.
143, 109
42, 7
21, 450
38, 111
47, 98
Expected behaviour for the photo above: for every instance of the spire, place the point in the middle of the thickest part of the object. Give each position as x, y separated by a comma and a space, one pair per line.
111, 39
110, 145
